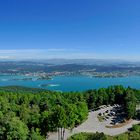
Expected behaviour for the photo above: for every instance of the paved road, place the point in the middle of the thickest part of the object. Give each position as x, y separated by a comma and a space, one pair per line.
92, 124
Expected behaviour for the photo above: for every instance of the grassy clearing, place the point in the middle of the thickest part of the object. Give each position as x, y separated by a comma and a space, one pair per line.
101, 118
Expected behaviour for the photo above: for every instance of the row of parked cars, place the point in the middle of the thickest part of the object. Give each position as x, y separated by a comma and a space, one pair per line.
116, 114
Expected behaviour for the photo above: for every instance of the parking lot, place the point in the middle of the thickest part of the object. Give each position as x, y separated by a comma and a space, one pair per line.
112, 115
92, 124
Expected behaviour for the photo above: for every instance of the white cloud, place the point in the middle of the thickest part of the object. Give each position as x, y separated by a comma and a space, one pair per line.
44, 54
6, 57
34, 50
52, 53
57, 50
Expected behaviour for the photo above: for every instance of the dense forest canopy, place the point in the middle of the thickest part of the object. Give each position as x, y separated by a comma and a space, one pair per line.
30, 114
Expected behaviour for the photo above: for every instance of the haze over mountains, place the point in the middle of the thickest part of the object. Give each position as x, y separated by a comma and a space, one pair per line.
67, 65
77, 61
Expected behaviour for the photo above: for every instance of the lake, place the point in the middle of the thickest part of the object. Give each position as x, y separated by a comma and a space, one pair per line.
70, 83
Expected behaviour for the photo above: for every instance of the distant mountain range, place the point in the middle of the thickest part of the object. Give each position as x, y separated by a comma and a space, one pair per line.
70, 65
104, 62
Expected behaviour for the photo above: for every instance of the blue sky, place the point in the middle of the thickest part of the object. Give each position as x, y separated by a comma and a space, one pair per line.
70, 29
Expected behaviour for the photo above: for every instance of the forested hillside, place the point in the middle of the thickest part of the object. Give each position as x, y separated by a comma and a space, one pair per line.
30, 114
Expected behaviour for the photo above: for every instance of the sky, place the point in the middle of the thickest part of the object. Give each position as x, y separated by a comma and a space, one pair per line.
71, 29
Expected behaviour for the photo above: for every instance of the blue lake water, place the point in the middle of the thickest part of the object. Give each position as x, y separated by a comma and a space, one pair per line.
71, 83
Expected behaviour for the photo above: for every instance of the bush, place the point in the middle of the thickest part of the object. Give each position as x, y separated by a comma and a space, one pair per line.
88, 136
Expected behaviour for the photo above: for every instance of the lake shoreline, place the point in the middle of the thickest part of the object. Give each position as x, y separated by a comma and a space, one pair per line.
69, 83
